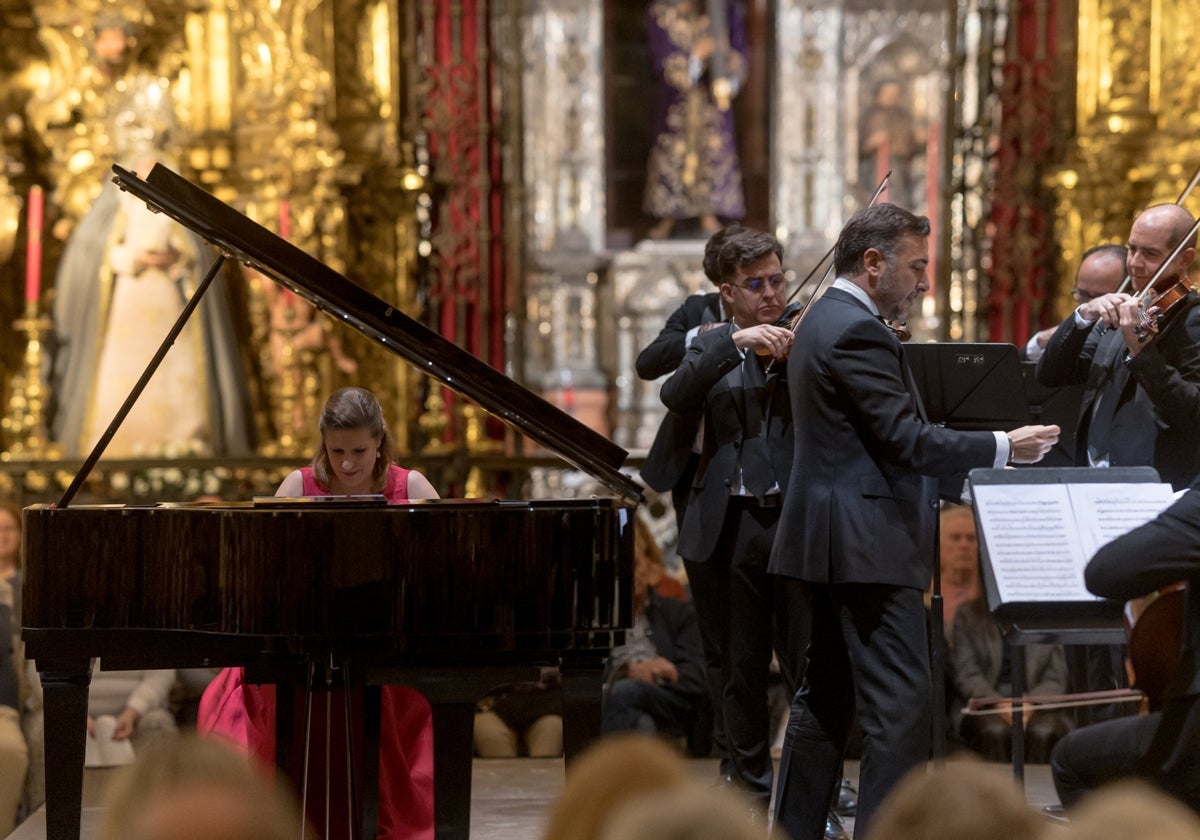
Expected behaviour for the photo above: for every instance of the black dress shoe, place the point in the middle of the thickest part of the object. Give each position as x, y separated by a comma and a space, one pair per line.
834, 830
847, 799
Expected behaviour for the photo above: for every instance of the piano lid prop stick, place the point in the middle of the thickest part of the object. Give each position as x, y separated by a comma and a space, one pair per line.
127, 406
285, 232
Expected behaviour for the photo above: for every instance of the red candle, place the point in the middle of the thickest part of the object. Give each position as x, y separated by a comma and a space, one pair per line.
33, 251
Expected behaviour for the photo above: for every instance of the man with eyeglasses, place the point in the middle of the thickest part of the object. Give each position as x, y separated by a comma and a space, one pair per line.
1141, 399
734, 377
1100, 272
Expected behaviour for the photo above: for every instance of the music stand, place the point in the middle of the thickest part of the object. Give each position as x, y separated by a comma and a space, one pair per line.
1065, 622
1057, 406
968, 387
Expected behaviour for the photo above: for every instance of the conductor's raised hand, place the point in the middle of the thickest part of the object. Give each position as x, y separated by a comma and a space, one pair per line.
765, 339
1031, 443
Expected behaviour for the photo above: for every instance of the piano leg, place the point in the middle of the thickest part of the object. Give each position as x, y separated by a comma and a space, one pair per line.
65, 701
583, 681
453, 752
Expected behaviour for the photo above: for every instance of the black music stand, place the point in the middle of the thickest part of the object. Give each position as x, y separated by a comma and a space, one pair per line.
1090, 621
1051, 405
968, 387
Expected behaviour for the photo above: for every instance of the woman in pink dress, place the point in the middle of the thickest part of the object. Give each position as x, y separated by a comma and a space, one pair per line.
355, 457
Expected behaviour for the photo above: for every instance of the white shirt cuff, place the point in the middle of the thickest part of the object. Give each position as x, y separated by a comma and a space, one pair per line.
1002, 450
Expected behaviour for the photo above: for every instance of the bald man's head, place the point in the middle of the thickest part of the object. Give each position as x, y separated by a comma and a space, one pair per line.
1154, 235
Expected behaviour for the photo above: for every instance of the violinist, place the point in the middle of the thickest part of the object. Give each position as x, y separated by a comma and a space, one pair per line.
734, 502
1161, 747
1141, 400
858, 521
1100, 272
671, 461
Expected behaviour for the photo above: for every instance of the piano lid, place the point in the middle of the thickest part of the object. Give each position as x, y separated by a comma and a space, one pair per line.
239, 237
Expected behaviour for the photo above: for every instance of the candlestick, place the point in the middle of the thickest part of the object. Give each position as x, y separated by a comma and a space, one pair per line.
33, 249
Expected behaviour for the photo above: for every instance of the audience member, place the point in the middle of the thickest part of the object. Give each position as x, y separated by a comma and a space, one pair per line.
983, 668
14, 754
693, 812
1132, 810
656, 679
609, 774
959, 561
197, 789
136, 701
957, 800
523, 718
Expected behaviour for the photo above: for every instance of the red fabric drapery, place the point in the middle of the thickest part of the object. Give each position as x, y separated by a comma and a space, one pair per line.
1024, 253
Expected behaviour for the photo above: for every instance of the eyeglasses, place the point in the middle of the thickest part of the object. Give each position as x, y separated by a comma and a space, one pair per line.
1083, 297
756, 285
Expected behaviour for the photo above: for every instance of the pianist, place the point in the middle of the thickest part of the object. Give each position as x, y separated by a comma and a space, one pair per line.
355, 457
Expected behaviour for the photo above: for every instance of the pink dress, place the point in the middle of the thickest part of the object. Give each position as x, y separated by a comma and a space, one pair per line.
245, 715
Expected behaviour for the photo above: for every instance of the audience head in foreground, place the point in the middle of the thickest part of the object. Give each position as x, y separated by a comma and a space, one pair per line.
195, 788
610, 773
696, 811
960, 800
1131, 810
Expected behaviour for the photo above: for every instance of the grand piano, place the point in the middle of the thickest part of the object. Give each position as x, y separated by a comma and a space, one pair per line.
450, 597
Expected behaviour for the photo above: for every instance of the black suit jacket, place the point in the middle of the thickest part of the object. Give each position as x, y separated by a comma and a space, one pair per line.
1153, 398
740, 408
1163, 551
863, 494
672, 446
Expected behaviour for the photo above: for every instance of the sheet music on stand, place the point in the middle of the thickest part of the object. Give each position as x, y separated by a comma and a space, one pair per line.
1038, 528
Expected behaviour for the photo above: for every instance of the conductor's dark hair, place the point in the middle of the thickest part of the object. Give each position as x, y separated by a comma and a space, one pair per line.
880, 226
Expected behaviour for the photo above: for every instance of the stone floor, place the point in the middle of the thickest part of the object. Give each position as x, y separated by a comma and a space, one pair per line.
510, 797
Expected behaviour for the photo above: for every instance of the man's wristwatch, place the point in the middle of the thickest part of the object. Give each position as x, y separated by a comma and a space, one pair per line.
1012, 451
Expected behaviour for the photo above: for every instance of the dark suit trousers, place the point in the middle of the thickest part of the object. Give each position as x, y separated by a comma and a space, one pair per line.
745, 613
869, 653
1163, 748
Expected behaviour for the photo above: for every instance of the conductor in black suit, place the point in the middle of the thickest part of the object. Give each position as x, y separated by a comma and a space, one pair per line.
858, 521
733, 501
1162, 747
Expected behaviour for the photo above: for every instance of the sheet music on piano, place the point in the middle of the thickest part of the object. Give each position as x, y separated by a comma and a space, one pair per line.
1038, 528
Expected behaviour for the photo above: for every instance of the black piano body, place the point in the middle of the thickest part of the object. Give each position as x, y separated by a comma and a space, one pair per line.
450, 597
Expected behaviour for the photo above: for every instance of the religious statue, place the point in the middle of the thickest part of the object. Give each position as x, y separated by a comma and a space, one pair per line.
126, 273
890, 138
693, 172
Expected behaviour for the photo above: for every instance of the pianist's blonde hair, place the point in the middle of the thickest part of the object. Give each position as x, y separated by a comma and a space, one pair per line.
354, 408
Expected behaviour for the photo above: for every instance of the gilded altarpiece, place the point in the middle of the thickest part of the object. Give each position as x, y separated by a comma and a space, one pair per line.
1136, 138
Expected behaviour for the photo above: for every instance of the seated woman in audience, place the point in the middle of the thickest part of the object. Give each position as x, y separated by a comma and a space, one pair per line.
517, 719
354, 457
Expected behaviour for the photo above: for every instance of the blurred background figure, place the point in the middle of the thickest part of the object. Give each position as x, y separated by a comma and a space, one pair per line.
655, 680
521, 719
197, 789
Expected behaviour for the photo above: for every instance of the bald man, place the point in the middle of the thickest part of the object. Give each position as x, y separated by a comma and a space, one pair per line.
1141, 402
1100, 271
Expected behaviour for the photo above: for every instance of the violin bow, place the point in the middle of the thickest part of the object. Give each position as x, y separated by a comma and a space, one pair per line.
798, 316
1183, 196
875, 197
